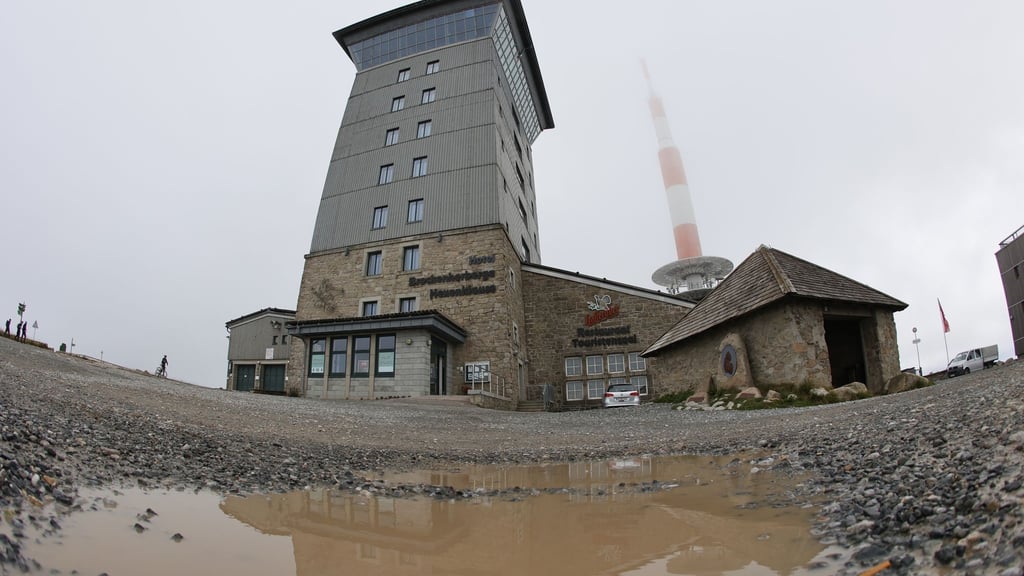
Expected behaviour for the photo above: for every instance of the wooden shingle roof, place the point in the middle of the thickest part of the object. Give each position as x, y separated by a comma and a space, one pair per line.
764, 277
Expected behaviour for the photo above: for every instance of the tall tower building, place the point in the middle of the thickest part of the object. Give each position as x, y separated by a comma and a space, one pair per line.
692, 274
428, 212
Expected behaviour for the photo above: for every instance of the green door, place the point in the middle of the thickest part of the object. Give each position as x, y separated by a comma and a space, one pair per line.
273, 378
245, 375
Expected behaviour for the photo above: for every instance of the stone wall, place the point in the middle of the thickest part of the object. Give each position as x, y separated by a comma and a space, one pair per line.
785, 345
487, 305
557, 310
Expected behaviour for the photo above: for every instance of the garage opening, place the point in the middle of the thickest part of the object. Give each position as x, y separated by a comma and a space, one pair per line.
845, 350
245, 375
273, 378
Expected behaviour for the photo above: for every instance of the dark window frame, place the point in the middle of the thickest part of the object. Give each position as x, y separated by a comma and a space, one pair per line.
339, 357
381, 353
313, 353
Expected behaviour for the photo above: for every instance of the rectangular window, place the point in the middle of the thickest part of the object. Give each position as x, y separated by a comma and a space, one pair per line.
391, 137
419, 166
397, 103
361, 356
415, 210
616, 363
614, 381
274, 343
574, 366
640, 382
511, 279
374, 263
433, 67
380, 217
595, 364
595, 389
411, 258
385, 365
317, 349
515, 333
573, 391
403, 74
423, 128
406, 304
339, 356
370, 308
637, 363
284, 338
429, 95
387, 172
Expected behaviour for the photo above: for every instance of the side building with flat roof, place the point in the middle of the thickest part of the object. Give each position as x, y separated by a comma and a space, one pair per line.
259, 351
1010, 258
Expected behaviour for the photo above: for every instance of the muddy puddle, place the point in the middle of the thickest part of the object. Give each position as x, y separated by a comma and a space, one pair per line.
711, 516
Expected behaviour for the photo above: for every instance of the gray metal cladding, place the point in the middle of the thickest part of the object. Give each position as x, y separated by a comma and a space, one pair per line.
451, 199
465, 167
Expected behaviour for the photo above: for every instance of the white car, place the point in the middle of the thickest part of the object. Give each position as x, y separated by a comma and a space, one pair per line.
621, 395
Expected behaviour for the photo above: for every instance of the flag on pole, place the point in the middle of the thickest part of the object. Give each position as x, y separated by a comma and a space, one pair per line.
945, 323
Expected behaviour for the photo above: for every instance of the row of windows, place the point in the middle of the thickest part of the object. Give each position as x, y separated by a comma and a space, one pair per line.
426, 97
423, 129
356, 363
372, 307
433, 67
595, 388
413, 213
410, 261
423, 36
611, 363
387, 171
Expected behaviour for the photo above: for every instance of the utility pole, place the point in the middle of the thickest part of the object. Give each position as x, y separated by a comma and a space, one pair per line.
916, 342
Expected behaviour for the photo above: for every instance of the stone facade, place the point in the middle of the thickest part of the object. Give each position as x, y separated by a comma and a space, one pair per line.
785, 345
561, 323
470, 276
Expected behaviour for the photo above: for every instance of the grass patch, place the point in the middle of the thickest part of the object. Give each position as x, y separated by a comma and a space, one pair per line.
674, 397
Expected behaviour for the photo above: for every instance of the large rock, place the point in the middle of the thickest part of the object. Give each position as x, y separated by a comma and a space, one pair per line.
850, 391
904, 381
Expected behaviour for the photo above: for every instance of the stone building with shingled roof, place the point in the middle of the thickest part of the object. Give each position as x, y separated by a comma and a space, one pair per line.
779, 320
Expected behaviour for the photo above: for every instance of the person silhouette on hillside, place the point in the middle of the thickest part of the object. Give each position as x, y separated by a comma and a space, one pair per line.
7, 327
163, 366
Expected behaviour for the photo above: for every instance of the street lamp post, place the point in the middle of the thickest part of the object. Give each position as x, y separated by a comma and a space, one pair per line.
917, 341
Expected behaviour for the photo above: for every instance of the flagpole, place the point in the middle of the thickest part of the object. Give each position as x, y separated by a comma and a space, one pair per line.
945, 329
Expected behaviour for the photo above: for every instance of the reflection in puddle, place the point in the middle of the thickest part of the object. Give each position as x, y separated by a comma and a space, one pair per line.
717, 520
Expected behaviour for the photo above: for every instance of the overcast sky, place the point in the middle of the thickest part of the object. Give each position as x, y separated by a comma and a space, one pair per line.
162, 162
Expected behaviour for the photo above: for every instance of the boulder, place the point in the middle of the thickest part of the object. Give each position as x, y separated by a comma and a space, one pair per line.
819, 392
904, 381
772, 397
850, 391
748, 393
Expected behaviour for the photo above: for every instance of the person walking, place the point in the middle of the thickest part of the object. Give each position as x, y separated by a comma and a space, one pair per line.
17, 331
163, 367
7, 327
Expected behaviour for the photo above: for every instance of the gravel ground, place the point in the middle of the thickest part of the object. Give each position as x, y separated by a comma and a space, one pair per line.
928, 480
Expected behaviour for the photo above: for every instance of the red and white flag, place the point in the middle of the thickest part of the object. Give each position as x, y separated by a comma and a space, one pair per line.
945, 323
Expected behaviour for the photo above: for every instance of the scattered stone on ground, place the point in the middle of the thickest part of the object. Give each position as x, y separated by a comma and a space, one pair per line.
926, 480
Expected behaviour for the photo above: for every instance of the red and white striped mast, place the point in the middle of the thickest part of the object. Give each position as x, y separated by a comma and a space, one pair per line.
693, 273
